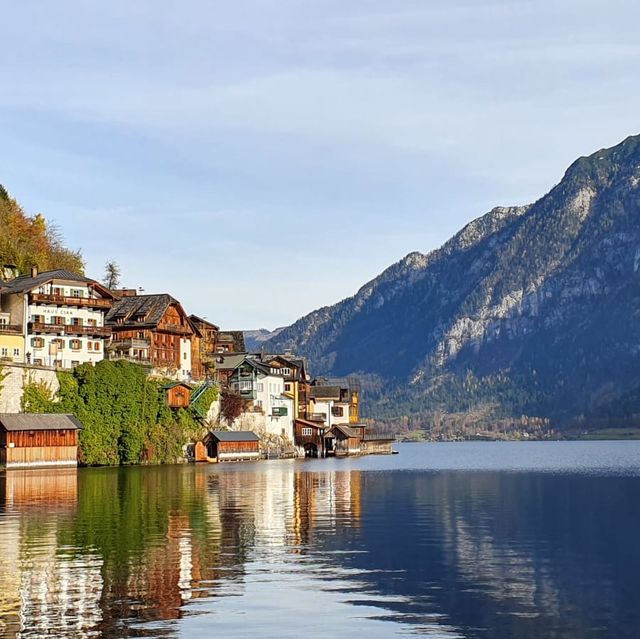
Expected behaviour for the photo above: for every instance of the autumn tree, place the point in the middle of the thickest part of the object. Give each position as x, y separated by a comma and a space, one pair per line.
27, 241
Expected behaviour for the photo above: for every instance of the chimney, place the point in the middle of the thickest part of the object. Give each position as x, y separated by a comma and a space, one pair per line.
34, 271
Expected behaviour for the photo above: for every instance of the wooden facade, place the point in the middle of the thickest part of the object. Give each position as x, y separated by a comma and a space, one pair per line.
150, 329
178, 395
38, 440
310, 436
232, 446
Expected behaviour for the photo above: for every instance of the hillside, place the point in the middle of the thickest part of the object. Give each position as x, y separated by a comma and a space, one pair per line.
526, 311
27, 241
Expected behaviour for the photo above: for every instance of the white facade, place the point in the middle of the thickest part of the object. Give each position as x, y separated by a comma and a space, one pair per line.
59, 332
184, 373
270, 395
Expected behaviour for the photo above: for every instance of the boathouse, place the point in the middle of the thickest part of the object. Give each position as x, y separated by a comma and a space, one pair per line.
32, 440
241, 445
343, 440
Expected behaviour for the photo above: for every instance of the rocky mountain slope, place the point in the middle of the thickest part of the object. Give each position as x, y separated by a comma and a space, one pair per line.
528, 310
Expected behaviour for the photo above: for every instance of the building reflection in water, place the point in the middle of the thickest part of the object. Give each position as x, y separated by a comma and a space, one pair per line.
115, 552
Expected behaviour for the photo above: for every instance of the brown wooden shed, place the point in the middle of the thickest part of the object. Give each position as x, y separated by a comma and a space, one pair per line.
241, 445
178, 394
30, 440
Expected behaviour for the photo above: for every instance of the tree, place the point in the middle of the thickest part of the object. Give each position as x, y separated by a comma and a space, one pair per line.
111, 275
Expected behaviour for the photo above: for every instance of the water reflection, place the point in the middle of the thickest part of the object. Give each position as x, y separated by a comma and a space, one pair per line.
285, 549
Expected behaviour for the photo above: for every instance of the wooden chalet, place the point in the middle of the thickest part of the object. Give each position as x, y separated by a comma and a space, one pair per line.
178, 394
31, 440
204, 346
153, 330
225, 445
230, 342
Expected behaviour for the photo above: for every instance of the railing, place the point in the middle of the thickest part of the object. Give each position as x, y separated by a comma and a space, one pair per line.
71, 301
129, 358
10, 328
130, 343
69, 329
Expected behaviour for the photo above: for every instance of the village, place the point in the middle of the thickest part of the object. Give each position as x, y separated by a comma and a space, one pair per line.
269, 405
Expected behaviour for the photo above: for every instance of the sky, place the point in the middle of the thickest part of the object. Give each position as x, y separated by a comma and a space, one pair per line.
260, 159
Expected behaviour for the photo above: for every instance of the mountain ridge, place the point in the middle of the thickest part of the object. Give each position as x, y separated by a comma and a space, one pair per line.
512, 282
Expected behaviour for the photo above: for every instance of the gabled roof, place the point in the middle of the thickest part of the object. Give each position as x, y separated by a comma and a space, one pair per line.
38, 421
346, 430
325, 392
200, 320
234, 435
151, 307
306, 422
25, 283
229, 361
174, 384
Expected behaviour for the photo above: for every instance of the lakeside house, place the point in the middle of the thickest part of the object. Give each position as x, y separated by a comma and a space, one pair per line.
156, 331
55, 318
32, 440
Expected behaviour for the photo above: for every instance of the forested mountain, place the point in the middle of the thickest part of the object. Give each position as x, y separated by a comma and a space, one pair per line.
27, 241
531, 310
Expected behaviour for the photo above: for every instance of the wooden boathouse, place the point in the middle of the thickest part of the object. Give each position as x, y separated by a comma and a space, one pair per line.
241, 445
33, 440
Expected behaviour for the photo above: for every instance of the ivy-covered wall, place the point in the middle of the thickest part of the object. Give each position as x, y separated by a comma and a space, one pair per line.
125, 416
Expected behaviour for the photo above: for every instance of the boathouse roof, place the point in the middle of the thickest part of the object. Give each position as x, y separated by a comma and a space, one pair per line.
235, 436
41, 421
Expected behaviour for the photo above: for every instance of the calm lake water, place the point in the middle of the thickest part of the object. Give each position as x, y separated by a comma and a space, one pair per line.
483, 540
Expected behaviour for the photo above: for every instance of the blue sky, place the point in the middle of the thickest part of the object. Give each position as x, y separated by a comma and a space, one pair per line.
261, 159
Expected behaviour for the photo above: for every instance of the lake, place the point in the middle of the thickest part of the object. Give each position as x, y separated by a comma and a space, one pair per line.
478, 540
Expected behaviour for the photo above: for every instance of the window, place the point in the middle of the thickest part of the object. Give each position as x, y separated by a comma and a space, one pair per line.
245, 386
58, 342
37, 342
287, 388
76, 292
74, 363
96, 346
4, 352
184, 356
307, 432
75, 344
92, 322
140, 334
76, 321
3, 321
285, 371
58, 320
16, 352
337, 411
37, 319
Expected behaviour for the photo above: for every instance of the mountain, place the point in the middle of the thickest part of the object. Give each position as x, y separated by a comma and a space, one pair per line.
527, 311
254, 339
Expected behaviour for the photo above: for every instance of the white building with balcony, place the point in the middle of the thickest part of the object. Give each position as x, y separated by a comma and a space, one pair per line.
60, 315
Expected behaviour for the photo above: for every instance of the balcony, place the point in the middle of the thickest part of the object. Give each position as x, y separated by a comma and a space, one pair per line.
10, 329
69, 329
63, 300
318, 417
126, 344
176, 329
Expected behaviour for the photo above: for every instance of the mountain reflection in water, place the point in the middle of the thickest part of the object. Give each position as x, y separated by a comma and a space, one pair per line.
290, 549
